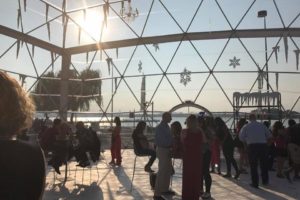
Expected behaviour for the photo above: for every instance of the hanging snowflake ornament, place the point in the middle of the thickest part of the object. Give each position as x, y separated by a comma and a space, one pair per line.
185, 77
140, 66
234, 62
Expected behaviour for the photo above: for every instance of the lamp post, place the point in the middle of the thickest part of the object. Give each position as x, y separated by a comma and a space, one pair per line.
152, 105
112, 95
146, 104
263, 14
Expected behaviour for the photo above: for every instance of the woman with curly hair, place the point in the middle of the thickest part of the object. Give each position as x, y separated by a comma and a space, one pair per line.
22, 165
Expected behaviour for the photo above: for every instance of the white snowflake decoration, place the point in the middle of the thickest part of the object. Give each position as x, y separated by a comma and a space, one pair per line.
185, 77
234, 62
140, 66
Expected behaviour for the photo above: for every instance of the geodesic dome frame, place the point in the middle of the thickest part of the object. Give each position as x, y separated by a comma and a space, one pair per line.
150, 51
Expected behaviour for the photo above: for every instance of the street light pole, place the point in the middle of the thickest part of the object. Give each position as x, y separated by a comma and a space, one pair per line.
112, 96
145, 107
263, 14
152, 104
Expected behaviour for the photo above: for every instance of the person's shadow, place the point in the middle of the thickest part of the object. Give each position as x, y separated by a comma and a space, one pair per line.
60, 191
269, 191
126, 183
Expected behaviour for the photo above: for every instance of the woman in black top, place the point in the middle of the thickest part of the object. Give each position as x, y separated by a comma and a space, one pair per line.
22, 171
22, 166
141, 145
207, 126
227, 146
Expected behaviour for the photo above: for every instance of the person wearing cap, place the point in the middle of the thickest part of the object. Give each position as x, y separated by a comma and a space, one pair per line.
256, 136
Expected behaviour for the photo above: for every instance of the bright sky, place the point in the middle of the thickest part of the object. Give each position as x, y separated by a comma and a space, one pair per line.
208, 18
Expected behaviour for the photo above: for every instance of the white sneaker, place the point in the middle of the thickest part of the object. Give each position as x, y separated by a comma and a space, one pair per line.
206, 195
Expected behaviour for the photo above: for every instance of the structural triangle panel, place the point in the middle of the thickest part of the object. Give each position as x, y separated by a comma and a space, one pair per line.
187, 57
209, 18
160, 22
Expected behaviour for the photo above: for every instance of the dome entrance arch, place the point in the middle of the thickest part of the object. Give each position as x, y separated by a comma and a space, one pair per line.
190, 104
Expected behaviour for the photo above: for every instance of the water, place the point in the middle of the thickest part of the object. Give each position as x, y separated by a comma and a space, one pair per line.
97, 121
128, 124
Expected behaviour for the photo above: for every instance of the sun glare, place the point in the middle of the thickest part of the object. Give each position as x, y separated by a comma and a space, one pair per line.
92, 24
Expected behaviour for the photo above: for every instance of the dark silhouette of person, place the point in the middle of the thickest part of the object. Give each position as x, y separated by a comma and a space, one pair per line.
79, 145
115, 148
256, 135
192, 181
88, 142
142, 146
48, 137
227, 146
177, 147
62, 149
22, 165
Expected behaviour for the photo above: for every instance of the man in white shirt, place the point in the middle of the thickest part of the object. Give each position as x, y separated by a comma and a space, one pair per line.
163, 142
256, 136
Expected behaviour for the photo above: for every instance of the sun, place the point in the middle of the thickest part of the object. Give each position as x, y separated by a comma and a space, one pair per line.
92, 24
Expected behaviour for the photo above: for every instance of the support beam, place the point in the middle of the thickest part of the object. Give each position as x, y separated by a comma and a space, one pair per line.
64, 85
29, 39
249, 33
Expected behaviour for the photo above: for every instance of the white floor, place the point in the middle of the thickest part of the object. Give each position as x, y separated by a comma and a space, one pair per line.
114, 183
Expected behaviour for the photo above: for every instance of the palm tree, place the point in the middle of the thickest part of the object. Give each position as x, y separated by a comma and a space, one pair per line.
85, 88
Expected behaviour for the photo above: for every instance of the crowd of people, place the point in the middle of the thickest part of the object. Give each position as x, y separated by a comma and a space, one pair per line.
198, 145
63, 144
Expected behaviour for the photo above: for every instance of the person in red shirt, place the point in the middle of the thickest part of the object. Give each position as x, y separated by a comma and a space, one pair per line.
115, 148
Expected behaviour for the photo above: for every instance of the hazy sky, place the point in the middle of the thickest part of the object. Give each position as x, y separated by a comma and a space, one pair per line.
208, 18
